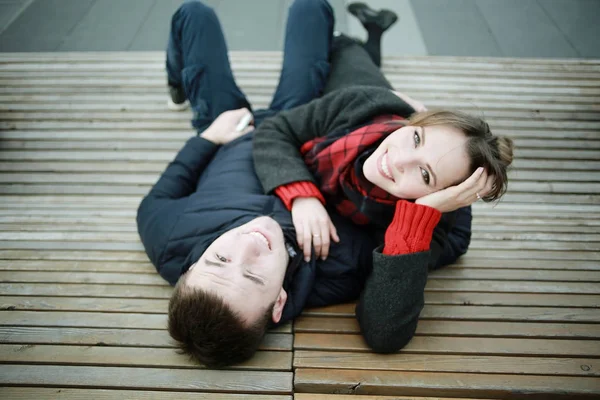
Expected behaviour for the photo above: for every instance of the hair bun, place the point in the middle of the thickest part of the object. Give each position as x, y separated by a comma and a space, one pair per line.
505, 149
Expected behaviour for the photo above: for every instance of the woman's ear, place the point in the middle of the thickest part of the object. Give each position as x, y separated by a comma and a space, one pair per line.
279, 304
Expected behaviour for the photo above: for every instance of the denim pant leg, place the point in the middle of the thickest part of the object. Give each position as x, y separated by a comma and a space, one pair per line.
197, 60
352, 66
305, 67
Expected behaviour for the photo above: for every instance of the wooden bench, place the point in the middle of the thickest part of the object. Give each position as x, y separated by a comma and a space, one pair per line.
84, 135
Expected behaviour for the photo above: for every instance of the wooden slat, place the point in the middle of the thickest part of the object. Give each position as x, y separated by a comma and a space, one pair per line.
143, 378
151, 278
473, 328
448, 363
444, 384
128, 356
457, 345
24, 393
495, 313
309, 396
113, 337
77, 266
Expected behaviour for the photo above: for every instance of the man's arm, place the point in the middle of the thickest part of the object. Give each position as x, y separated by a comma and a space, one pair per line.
159, 211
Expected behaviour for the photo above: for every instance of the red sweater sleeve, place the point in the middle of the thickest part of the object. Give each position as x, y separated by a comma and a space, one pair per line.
287, 193
411, 229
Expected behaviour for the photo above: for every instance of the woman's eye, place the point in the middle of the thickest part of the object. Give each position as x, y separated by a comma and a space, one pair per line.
220, 257
417, 139
425, 176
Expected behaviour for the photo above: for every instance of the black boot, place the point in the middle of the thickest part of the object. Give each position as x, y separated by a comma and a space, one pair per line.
375, 23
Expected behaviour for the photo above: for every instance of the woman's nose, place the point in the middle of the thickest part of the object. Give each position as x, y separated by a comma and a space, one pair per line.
402, 161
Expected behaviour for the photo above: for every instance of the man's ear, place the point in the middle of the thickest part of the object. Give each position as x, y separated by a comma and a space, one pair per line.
279, 304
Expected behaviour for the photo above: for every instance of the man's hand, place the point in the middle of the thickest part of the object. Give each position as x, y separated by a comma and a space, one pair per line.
223, 129
417, 105
475, 187
313, 226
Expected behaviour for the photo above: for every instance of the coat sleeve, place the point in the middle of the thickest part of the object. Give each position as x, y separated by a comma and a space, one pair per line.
458, 240
277, 140
160, 210
394, 295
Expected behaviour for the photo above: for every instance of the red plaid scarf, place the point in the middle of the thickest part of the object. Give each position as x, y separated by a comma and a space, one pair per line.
336, 161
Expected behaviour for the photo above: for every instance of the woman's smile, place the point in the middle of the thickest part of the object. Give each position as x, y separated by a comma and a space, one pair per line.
384, 167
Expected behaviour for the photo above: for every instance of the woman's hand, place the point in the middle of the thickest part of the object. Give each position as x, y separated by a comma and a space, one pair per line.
313, 226
223, 129
474, 188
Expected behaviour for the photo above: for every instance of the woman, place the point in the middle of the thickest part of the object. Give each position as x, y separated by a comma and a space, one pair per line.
363, 150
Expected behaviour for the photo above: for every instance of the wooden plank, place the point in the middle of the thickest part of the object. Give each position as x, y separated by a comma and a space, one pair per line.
66, 255
512, 286
457, 345
320, 396
77, 290
534, 254
41, 303
121, 304
129, 356
251, 78
447, 363
156, 306
24, 393
512, 273
474, 262
506, 329
248, 66
76, 266
495, 313
143, 378
83, 319
484, 313
513, 299
444, 384
48, 245
142, 291
149, 278
32, 227
29, 335
95, 319
152, 278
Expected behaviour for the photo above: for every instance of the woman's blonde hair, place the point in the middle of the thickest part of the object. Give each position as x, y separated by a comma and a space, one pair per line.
494, 153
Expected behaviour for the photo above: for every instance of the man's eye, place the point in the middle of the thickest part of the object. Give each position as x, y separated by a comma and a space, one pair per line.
425, 176
417, 139
220, 257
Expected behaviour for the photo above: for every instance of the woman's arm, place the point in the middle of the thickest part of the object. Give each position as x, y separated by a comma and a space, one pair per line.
391, 302
277, 140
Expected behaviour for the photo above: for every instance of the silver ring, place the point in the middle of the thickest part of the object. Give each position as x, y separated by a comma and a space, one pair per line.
316, 235
478, 196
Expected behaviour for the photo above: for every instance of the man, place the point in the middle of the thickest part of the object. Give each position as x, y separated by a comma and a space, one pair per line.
207, 225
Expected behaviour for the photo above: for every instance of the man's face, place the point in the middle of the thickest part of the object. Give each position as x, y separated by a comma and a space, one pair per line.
246, 267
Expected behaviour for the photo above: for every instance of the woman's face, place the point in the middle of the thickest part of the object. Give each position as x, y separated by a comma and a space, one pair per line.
415, 161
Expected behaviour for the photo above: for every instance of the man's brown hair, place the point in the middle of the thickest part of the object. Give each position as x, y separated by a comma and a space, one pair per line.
209, 331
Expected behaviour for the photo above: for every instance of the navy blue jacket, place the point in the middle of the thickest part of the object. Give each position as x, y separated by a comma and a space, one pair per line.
208, 190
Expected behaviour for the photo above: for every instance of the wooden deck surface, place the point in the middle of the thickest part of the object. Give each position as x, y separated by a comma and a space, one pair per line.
84, 135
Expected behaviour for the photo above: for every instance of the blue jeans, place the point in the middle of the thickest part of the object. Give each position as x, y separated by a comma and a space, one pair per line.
197, 60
